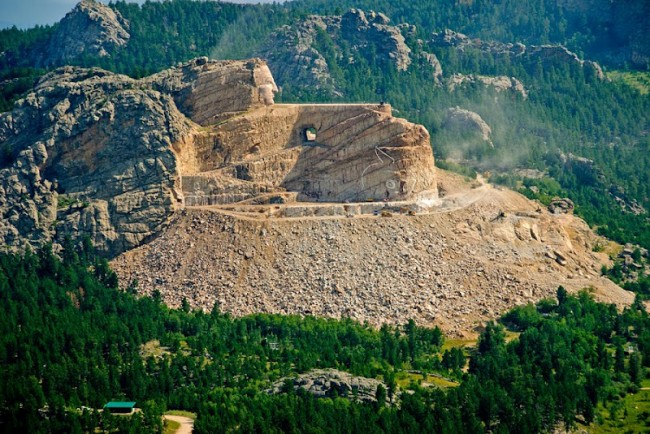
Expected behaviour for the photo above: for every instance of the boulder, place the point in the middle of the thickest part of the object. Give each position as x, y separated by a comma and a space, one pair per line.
561, 206
326, 383
464, 120
499, 83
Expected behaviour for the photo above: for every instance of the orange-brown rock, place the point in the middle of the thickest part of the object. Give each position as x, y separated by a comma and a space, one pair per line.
323, 152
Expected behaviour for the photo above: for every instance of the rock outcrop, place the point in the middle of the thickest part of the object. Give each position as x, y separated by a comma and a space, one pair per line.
90, 29
561, 206
499, 83
466, 121
374, 29
89, 152
460, 41
547, 54
293, 51
436, 66
327, 383
92, 154
304, 55
291, 54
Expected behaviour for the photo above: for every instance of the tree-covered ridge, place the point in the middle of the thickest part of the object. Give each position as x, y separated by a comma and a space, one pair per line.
587, 136
70, 341
597, 29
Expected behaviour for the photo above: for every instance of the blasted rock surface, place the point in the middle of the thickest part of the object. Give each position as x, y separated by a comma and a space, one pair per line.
358, 152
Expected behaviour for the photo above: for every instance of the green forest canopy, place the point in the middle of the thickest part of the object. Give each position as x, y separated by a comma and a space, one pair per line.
70, 341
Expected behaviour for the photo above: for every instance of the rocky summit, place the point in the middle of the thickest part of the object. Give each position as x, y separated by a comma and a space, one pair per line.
90, 29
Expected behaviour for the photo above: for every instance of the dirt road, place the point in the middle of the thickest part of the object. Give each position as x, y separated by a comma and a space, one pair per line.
187, 424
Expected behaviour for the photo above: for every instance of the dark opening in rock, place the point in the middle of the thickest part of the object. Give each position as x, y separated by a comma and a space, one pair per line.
309, 134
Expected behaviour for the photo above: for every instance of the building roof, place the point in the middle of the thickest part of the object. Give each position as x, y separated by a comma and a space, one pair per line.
120, 404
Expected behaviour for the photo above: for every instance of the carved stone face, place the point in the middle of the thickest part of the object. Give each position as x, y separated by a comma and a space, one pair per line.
266, 86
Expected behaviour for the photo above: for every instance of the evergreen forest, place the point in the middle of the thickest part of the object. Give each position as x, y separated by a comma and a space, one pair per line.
71, 341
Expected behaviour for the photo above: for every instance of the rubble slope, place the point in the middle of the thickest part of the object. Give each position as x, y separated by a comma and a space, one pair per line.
476, 253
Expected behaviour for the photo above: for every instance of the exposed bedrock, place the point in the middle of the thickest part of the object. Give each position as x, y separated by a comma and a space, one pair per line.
89, 152
323, 152
90, 29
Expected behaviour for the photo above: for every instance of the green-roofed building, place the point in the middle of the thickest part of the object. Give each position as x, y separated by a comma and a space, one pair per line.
120, 407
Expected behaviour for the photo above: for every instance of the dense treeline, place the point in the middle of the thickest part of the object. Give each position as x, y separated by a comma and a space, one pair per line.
587, 31
70, 341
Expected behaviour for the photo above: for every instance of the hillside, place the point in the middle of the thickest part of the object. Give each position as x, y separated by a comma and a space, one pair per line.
298, 206
474, 254
89, 153
549, 111
320, 216
292, 374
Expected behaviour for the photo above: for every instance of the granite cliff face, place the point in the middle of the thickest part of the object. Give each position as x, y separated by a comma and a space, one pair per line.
90, 29
294, 52
91, 155
94, 153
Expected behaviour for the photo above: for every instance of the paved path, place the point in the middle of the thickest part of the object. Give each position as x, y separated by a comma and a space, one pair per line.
187, 424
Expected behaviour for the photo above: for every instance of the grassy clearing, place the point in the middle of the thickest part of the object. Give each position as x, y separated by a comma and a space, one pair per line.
181, 413
628, 415
171, 426
439, 382
639, 80
153, 349
458, 343
405, 379
467, 344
